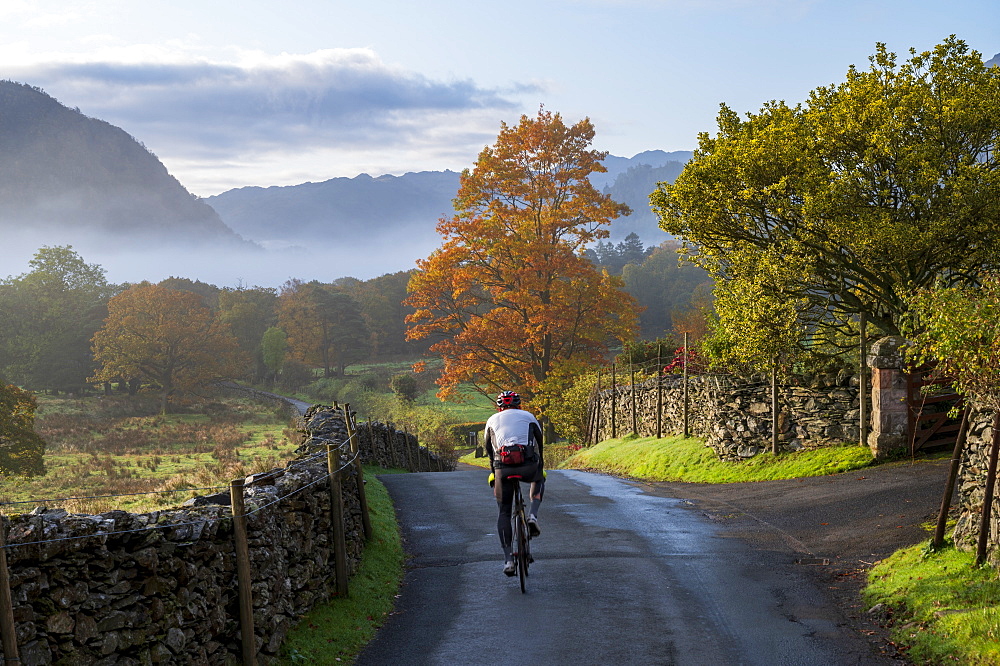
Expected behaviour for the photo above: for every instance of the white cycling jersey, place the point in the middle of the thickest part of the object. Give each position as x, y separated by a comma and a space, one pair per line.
512, 426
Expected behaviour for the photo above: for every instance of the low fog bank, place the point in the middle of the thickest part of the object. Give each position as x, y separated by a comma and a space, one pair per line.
224, 267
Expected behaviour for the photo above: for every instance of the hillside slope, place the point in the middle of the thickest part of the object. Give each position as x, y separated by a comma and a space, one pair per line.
68, 178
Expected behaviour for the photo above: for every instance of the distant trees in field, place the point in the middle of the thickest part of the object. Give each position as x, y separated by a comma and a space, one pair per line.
52, 313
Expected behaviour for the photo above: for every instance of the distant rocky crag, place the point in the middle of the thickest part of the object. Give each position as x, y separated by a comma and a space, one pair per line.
67, 177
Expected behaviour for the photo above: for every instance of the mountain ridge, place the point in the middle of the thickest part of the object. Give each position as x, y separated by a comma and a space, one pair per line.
413, 202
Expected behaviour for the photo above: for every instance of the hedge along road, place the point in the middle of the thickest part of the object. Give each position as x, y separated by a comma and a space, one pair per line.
620, 575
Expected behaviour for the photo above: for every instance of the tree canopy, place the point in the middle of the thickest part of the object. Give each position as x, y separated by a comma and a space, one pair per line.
324, 325
509, 296
958, 330
50, 314
167, 337
873, 188
21, 449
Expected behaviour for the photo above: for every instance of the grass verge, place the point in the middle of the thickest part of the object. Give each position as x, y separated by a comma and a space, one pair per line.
680, 459
335, 632
940, 606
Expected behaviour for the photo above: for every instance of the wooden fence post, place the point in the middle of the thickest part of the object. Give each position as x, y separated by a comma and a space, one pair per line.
371, 440
392, 441
597, 427
635, 417
659, 390
243, 573
774, 406
8, 634
409, 452
614, 402
366, 521
956, 460
864, 385
337, 519
687, 410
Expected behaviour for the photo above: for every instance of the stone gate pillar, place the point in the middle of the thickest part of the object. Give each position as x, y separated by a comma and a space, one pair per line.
889, 417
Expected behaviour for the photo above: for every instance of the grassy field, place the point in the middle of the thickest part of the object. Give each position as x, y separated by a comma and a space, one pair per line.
105, 453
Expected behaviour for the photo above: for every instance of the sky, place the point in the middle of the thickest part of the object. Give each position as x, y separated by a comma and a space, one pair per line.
234, 93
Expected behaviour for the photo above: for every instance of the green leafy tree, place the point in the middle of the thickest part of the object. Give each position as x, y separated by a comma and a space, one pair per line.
570, 413
875, 187
759, 323
381, 300
273, 349
249, 314
50, 314
662, 286
21, 448
404, 386
958, 330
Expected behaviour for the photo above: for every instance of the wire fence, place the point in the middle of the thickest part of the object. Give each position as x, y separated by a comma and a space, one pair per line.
298, 463
264, 493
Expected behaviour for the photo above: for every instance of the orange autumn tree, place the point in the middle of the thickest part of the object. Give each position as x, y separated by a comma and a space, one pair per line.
167, 337
516, 303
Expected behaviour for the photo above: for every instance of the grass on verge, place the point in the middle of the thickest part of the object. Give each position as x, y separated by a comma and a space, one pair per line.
679, 459
945, 609
334, 632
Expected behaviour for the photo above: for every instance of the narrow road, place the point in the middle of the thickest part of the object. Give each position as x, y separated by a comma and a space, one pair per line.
621, 576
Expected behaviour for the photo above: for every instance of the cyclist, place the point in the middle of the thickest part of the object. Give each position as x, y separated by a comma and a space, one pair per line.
513, 441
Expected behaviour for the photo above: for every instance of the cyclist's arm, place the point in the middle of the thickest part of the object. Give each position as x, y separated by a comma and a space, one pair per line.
488, 445
535, 432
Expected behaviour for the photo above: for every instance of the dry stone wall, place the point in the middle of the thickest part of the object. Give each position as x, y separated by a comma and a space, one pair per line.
970, 488
161, 587
733, 415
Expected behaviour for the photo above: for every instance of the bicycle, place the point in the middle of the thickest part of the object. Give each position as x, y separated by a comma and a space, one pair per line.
522, 536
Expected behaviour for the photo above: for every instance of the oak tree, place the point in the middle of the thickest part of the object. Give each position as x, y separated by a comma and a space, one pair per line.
877, 186
324, 325
509, 297
166, 337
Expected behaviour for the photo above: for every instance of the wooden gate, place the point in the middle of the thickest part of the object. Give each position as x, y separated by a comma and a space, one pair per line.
929, 399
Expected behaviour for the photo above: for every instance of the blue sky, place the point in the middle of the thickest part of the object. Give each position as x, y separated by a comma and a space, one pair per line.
230, 93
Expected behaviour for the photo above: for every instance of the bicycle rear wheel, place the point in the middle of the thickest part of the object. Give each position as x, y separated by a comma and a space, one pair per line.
521, 534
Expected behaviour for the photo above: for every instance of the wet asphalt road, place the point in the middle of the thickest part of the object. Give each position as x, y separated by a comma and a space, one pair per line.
620, 576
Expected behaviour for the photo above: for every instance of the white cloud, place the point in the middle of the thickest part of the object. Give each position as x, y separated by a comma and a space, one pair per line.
255, 109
